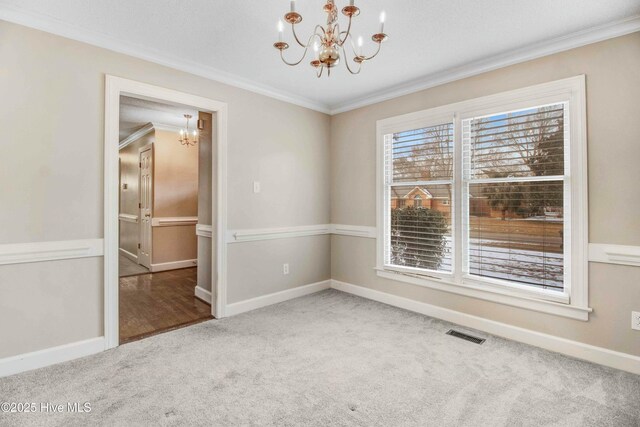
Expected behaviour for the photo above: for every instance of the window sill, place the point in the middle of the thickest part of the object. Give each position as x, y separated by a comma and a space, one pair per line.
491, 294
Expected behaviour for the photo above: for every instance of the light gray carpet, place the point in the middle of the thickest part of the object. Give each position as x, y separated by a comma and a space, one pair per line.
328, 359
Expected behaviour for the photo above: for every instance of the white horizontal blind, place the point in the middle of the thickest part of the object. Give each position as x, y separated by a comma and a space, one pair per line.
418, 189
515, 166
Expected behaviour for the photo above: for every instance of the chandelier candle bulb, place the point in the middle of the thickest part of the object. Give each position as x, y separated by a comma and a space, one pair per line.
383, 16
293, 5
280, 30
351, 2
360, 42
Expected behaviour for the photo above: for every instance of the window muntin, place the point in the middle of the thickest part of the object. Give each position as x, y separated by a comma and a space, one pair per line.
514, 190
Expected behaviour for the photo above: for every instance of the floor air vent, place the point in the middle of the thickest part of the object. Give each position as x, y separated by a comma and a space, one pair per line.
463, 336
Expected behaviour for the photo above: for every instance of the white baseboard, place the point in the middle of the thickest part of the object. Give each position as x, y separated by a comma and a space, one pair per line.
203, 294
602, 356
125, 253
265, 300
50, 356
174, 265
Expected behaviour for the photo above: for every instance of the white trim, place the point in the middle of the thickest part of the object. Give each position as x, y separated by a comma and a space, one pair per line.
493, 294
128, 218
125, 253
114, 88
257, 234
527, 53
203, 230
173, 221
173, 265
614, 254
17, 253
276, 297
136, 135
166, 128
234, 236
84, 35
603, 356
50, 356
203, 294
354, 230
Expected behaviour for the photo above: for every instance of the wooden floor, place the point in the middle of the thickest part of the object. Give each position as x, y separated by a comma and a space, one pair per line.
126, 267
158, 302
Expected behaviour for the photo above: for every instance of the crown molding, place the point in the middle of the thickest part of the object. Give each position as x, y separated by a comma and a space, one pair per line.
136, 135
165, 127
54, 26
527, 53
145, 130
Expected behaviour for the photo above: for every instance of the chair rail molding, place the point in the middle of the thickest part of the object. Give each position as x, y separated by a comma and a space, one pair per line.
235, 236
354, 230
128, 218
255, 234
204, 230
614, 254
173, 221
17, 253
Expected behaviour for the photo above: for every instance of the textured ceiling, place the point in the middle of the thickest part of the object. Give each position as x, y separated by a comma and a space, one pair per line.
236, 37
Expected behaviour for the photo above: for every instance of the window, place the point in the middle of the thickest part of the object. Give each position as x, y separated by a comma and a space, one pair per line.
499, 198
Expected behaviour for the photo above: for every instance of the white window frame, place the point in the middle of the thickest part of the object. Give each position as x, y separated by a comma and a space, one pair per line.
574, 302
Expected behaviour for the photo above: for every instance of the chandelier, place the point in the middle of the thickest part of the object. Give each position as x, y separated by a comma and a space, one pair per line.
327, 42
187, 137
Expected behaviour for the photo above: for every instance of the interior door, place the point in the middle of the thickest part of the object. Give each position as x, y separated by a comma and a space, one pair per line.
146, 204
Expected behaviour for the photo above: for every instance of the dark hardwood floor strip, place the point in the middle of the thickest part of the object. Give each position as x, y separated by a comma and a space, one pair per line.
158, 302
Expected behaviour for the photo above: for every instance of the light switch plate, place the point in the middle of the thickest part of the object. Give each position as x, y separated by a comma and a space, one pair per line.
635, 320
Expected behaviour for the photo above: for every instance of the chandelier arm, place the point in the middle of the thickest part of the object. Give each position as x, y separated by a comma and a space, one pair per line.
353, 47
319, 73
293, 64
366, 58
346, 63
315, 34
295, 36
304, 54
346, 33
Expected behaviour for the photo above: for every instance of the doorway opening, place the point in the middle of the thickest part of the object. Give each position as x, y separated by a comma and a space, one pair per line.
164, 208
162, 179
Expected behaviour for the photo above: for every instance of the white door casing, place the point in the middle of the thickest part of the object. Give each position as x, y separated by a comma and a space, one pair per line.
146, 205
114, 88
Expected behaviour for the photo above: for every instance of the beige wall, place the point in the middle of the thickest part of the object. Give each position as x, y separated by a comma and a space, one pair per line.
175, 176
613, 109
175, 194
53, 196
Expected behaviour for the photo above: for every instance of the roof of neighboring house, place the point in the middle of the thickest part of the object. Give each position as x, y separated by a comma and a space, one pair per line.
435, 192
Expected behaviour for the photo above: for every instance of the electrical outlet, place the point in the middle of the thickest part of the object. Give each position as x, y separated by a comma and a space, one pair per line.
256, 187
635, 320
285, 269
